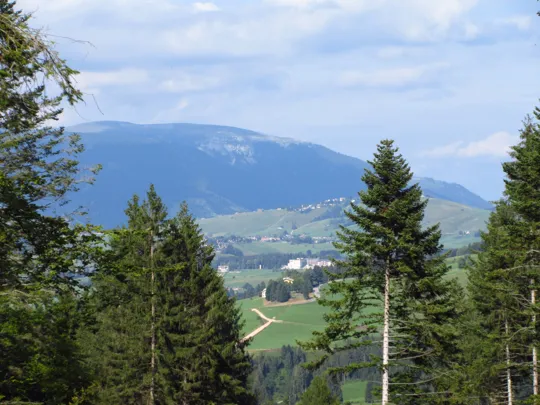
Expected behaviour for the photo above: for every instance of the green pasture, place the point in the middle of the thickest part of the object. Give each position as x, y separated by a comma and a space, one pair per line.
354, 392
264, 222
252, 277
300, 320
455, 241
258, 248
252, 321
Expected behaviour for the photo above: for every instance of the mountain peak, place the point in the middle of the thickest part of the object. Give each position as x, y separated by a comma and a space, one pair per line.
219, 170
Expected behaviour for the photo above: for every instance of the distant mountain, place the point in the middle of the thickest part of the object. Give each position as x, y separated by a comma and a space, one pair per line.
219, 170
451, 192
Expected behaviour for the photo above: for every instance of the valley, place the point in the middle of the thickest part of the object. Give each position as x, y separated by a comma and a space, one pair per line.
294, 321
311, 229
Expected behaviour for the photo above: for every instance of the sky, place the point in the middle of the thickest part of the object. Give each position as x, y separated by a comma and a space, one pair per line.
451, 81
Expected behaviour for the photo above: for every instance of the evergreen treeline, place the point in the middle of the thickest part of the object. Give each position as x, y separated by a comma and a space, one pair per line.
155, 327
282, 377
278, 291
173, 335
439, 344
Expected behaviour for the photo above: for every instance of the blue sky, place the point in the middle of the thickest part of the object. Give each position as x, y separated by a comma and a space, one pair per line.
449, 80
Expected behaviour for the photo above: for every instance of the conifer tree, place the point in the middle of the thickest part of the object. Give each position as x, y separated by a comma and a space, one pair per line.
523, 194
391, 258
202, 356
39, 251
494, 288
174, 334
503, 281
319, 393
125, 304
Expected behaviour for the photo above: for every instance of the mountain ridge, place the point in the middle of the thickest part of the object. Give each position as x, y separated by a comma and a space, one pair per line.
219, 170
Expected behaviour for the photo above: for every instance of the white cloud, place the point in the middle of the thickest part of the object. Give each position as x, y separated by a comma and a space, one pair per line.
391, 52
471, 31
182, 104
183, 82
275, 33
426, 20
381, 78
91, 80
394, 77
301, 3
164, 27
521, 22
122, 10
495, 145
205, 7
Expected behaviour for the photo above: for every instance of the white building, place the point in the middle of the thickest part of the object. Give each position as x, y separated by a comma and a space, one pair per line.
296, 264
263, 293
223, 268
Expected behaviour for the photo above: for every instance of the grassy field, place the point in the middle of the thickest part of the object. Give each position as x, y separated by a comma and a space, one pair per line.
453, 218
252, 321
354, 391
455, 271
456, 241
252, 277
300, 319
257, 248
267, 222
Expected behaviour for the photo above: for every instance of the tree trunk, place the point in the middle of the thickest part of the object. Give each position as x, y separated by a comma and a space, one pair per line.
153, 327
386, 337
508, 373
534, 353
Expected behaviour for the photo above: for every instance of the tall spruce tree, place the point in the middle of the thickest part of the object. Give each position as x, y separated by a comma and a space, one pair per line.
173, 334
319, 393
523, 194
202, 356
39, 252
392, 260
494, 288
503, 282
125, 306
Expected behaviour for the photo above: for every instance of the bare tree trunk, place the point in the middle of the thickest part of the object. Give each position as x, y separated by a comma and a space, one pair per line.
534, 352
386, 337
153, 327
508, 373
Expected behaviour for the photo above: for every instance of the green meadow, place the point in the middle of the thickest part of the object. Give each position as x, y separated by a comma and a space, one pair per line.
299, 320
354, 392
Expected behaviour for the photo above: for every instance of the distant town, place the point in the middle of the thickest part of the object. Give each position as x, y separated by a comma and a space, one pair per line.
294, 264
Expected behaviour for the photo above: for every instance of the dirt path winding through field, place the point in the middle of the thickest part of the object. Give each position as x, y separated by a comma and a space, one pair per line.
262, 327
263, 316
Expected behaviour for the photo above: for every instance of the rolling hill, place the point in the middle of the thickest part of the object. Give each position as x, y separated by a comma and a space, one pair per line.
220, 170
325, 220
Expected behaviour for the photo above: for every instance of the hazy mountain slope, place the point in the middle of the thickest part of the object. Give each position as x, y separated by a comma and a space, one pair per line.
453, 217
217, 169
451, 192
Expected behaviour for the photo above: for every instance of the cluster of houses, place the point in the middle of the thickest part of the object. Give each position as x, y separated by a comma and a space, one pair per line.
224, 268
304, 264
294, 264
327, 203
